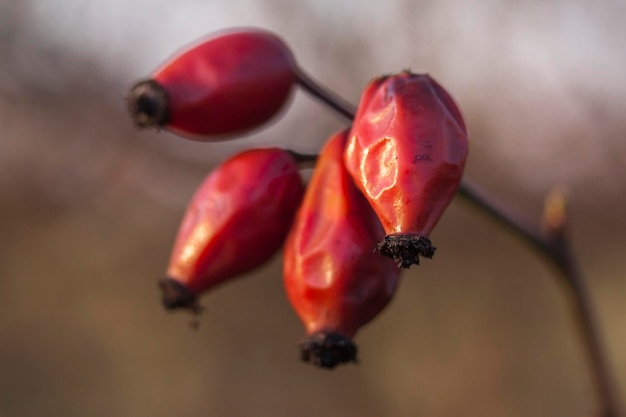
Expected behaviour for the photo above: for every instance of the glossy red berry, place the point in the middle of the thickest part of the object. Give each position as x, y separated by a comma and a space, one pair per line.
238, 218
334, 278
227, 84
406, 152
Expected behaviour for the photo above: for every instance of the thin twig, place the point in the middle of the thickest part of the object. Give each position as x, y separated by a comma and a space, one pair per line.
326, 96
585, 317
552, 242
556, 225
304, 160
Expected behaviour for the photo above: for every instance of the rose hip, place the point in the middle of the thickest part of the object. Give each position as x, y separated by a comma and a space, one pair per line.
227, 84
406, 153
334, 279
238, 218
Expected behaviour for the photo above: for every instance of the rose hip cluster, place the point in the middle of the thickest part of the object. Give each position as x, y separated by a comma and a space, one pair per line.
376, 193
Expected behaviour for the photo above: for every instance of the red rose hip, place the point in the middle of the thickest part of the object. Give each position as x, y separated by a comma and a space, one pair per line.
406, 153
237, 219
334, 278
227, 84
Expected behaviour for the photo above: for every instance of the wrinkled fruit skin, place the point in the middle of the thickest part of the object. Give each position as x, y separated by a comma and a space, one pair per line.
406, 153
228, 84
335, 280
238, 218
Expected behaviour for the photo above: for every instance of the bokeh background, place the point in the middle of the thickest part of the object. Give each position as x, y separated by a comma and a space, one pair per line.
89, 208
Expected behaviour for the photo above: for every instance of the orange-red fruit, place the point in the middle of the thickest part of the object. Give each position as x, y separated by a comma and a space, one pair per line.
334, 278
406, 153
238, 218
227, 84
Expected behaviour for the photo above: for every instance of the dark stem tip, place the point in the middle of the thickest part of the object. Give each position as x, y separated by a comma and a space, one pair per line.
177, 296
405, 249
327, 350
303, 160
148, 104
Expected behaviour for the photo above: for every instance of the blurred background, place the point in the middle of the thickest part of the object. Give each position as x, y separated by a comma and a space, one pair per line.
90, 207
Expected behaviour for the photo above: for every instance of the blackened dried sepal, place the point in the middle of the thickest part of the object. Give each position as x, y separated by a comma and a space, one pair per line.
176, 296
405, 249
327, 350
148, 104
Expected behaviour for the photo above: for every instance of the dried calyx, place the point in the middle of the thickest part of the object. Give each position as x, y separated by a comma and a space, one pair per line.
327, 350
176, 296
405, 249
148, 104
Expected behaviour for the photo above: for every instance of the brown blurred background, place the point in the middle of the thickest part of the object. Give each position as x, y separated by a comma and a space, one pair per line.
90, 206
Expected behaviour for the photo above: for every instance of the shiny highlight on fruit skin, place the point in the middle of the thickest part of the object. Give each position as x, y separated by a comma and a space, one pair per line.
236, 221
334, 278
226, 85
406, 153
